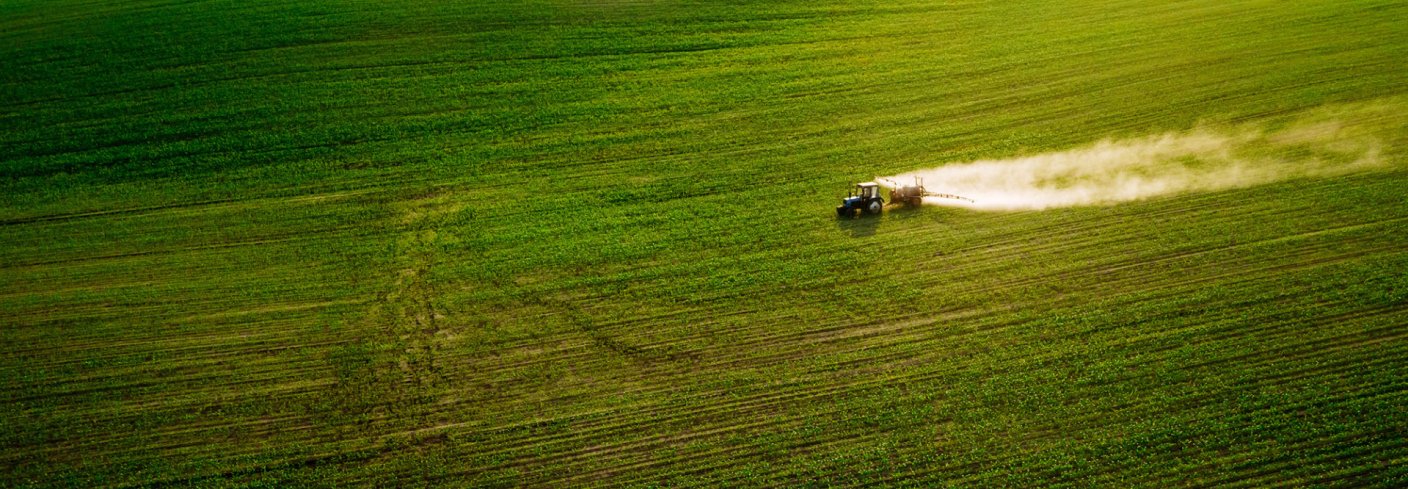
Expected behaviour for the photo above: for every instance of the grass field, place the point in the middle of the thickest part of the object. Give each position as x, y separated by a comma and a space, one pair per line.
566, 243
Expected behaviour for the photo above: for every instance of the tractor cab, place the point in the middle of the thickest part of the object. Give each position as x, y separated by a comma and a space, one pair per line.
868, 190
864, 198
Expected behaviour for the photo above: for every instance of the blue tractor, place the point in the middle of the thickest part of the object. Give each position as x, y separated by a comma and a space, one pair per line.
865, 198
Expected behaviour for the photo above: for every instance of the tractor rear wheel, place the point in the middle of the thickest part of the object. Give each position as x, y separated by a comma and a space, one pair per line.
874, 207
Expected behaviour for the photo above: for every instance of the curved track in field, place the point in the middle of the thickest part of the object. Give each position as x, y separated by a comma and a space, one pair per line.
590, 244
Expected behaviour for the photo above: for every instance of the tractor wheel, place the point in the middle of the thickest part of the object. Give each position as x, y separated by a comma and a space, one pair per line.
842, 211
874, 207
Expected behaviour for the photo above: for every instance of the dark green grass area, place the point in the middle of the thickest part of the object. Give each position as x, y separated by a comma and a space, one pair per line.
272, 244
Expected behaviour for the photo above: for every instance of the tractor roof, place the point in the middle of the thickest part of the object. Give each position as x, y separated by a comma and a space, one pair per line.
867, 184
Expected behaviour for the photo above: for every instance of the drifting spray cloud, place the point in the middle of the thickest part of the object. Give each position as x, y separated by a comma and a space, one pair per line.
1111, 171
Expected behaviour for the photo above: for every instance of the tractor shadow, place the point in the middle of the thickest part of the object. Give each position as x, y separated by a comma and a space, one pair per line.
859, 226
863, 225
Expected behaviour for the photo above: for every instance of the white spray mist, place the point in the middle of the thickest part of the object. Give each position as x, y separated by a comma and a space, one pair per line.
1110, 172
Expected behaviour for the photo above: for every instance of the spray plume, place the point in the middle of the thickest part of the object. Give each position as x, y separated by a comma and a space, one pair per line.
1113, 171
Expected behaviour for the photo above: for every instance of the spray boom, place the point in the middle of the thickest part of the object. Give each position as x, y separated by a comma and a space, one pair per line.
914, 194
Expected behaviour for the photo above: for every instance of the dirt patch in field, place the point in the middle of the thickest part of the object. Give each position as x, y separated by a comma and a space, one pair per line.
1328, 143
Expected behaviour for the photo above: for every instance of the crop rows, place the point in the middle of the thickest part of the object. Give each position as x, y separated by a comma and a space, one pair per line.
591, 244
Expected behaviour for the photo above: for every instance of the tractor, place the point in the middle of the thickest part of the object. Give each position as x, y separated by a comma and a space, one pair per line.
865, 198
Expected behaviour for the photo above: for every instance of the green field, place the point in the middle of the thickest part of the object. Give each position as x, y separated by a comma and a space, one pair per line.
574, 244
